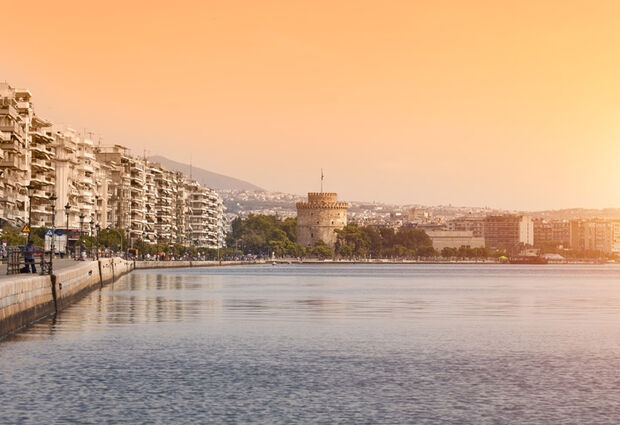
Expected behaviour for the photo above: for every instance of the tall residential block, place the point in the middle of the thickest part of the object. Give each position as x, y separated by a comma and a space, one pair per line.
103, 185
467, 224
595, 235
551, 233
508, 231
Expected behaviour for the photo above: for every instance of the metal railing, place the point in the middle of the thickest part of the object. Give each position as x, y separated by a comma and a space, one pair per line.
16, 263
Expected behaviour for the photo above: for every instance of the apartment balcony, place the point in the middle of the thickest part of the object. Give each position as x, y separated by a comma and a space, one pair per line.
14, 128
23, 104
42, 164
40, 194
41, 210
40, 136
86, 155
87, 168
11, 145
10, 163
41, 180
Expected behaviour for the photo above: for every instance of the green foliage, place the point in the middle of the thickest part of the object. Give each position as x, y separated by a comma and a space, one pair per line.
112, 237
13, 235
465, 252
262, 234
356, 241
37, 235
320, 250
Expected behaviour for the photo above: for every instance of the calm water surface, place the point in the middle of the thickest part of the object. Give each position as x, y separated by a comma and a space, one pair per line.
326, 344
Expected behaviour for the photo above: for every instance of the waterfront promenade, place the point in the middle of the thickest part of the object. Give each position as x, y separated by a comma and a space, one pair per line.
59, 264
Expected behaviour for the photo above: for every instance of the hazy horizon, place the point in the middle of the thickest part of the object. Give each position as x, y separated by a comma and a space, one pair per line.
510, 106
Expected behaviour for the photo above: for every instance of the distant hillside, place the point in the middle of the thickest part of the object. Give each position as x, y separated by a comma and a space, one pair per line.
208, 178
573, 213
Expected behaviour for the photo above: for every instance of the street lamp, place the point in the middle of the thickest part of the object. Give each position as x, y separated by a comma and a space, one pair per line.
53, 203
98, 227
92, 232
82, 217
97, 197
30, 188
67, 209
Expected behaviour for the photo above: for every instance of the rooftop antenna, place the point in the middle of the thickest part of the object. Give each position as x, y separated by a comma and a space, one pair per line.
322, 176
190, 168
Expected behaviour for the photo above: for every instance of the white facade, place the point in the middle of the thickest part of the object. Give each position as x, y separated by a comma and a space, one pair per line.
454, 239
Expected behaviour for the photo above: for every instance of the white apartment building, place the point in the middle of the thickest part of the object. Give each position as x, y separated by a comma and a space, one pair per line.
94, 184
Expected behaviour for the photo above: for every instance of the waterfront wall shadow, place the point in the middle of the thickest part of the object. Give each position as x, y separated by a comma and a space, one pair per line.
26, 298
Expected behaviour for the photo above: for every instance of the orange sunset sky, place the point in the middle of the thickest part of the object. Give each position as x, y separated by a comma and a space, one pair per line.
508, 104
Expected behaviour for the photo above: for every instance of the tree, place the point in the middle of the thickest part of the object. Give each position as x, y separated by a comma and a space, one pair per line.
261, 234
112, 238
13, 236
321, 250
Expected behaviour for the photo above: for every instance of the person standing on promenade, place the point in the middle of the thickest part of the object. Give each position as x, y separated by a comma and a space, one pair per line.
29, 257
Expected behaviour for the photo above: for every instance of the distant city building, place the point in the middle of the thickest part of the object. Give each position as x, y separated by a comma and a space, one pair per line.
551, 233
454, 239
467, 223
595, 235
508, 231
319, 217
418, 215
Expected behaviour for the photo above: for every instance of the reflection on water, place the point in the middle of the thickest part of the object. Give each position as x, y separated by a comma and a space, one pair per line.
331, 343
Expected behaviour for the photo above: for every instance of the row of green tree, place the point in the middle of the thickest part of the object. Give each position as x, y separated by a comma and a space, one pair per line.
262, 234
370, 242
266, 234
116, 239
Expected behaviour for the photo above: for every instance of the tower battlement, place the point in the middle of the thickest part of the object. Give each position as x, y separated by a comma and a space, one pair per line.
319, 217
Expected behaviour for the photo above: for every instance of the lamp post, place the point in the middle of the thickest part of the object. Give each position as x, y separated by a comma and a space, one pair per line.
30, 188
82, 217
67, 209
53, 202
92, 231
128, 235
98, 227
96, 213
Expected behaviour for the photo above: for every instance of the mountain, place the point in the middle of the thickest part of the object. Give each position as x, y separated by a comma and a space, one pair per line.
208, 178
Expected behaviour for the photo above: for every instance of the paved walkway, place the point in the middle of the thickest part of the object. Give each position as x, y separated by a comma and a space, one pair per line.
58, 264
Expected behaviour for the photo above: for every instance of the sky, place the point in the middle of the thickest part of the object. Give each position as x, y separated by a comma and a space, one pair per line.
506, 104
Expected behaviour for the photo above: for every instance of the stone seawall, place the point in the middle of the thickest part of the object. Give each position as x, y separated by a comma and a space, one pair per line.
176, 264
27, 298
